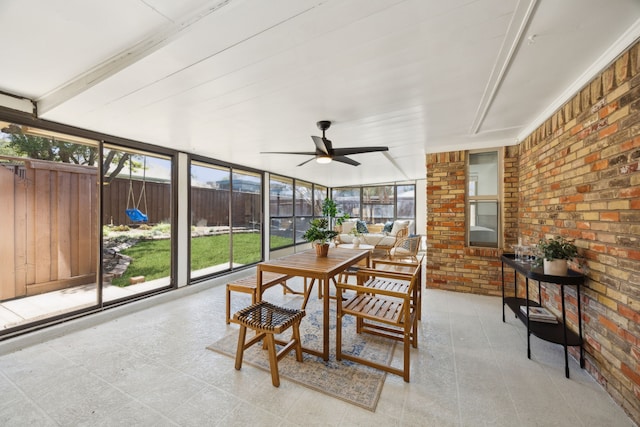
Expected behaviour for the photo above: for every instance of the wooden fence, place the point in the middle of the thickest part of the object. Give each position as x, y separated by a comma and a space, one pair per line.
209, 206
49, 232
49, 237
116, 195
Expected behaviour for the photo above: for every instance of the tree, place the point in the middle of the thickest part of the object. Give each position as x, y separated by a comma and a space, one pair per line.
117, 158
57, 150
43, 148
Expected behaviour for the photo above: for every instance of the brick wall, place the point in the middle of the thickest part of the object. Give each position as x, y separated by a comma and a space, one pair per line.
450, 264
577, 176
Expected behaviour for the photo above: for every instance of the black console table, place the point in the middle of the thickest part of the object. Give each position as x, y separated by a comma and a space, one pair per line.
556, 333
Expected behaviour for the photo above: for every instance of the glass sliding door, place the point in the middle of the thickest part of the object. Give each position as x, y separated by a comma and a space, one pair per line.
303, 209
50, 225
136, 218
281, 212
246, 209
210, 231
319, 195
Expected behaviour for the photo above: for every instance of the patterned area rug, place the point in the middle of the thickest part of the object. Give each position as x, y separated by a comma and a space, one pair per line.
345, 380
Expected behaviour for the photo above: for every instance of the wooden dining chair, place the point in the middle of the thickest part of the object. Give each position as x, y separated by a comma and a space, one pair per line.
382, 305
410, 267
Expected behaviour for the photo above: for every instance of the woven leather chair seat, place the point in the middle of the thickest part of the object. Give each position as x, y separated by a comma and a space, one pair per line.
264, 316
249, 285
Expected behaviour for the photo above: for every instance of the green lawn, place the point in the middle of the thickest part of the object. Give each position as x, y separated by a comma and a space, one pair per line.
152, 258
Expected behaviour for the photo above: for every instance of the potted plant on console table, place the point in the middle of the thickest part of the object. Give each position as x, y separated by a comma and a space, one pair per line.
319, 234
555, 254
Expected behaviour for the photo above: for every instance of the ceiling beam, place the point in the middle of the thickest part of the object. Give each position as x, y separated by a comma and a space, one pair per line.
168, 33
519, 23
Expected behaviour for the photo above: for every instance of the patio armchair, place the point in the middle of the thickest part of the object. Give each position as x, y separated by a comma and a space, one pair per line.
406, 247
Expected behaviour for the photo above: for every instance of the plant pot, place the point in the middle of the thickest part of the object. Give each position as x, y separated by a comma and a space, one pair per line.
557, 267
322, 250
356, 242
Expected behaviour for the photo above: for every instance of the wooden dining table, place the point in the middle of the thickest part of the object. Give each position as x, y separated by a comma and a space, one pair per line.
308, 265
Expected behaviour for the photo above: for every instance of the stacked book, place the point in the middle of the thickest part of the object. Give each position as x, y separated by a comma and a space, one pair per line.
539, 314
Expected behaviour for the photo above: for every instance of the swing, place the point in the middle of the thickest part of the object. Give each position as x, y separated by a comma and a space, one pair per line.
135, 214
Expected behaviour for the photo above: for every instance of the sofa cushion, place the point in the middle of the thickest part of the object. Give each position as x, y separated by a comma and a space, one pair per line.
361, 226
388, 226
378, 239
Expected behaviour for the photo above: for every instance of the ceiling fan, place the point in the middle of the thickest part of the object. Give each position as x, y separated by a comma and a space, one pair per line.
325, 152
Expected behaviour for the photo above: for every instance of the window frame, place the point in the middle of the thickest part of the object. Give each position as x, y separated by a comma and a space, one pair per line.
497, 198
361, 199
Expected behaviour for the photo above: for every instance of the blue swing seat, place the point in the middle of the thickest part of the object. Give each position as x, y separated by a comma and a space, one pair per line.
136, 216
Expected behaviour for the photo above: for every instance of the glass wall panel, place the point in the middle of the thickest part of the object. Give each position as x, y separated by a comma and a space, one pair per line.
348, 200
210, 202
304, 199
406, 201
302, 224
378, 204
319, 195
136, 210
50, 225
281, 212
246, 210
304, 208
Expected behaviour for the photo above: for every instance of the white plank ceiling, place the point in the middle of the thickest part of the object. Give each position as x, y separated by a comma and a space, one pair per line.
229, 79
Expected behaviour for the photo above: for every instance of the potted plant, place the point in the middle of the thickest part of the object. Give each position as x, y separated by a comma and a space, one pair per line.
330, 210
555, 253
356, 237
319, 234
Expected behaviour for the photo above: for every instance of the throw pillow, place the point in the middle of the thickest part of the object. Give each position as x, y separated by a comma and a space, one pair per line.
347, 226
397, 226
388, 226
361, 226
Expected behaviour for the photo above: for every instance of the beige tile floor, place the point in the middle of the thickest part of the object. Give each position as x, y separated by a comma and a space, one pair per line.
146, 364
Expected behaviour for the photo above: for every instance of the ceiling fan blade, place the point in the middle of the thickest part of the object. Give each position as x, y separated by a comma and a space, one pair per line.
306, 161
343, 159
357, 150
306, 153
320, 144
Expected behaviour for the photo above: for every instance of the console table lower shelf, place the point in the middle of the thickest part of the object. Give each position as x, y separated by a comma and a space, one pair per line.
552, 332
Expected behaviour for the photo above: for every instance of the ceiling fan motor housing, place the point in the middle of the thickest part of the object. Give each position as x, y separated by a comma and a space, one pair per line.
323, 125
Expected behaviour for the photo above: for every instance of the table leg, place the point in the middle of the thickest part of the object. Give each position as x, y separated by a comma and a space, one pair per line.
503, 292
325, 319
528, 324
580, 329
564, 331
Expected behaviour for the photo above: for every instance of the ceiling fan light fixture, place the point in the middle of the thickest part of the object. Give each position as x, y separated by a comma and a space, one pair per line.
323, 159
